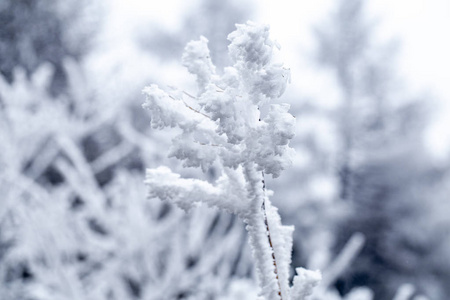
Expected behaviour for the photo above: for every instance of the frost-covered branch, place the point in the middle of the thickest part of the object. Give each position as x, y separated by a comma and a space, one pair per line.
225, 128
343, 260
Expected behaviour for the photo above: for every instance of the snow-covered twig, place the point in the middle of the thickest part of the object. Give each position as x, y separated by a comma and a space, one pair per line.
226, 129
343, 260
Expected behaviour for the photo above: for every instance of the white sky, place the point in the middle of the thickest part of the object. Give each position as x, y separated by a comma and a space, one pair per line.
422, 25
424, 59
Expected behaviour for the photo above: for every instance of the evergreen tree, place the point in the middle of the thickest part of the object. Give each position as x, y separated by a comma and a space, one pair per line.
382, 167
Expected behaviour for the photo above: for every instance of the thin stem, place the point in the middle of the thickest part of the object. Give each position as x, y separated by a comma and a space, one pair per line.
257, 221
191, 108
269, 238
189, 95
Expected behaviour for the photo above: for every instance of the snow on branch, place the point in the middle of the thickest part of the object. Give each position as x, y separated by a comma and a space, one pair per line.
228, 193
223, 125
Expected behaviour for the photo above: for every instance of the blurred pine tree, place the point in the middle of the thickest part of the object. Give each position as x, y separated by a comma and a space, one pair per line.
382, 166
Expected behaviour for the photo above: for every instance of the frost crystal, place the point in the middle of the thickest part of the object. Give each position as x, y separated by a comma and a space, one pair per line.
197, 60
223, 125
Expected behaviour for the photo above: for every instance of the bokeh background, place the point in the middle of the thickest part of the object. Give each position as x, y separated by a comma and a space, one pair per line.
368, 192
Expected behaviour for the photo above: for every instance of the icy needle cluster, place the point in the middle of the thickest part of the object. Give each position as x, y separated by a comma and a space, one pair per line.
223, 125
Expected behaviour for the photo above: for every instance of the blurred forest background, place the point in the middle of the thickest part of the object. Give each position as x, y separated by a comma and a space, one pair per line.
367, 195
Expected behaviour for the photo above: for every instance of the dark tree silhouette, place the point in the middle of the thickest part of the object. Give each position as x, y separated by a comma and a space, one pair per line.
33, 32
382, 166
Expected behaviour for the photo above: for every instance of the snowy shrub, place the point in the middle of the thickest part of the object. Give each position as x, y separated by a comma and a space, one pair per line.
67, 231
232, 126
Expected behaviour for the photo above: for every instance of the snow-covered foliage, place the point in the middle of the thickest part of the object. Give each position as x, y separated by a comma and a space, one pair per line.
223, 127
74, 221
